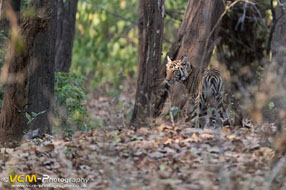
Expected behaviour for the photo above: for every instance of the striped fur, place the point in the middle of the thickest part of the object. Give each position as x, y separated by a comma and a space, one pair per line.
208, 108
209, 102
177, 70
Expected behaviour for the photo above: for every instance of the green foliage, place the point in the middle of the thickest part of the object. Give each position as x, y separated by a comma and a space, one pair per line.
106, 40
271, 105
3, 36
105, 44
69, 152
70, 111
31, 117
24, 4
174, 110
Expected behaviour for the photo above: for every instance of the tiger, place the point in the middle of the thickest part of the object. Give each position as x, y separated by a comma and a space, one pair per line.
177, 70
208, 100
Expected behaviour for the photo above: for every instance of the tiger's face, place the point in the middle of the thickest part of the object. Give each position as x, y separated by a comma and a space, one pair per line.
177, 70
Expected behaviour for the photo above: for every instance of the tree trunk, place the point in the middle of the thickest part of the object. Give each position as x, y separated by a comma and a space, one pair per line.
12, 118
278, 48
65, 34
275, 81
195, 40
42, 74
279, 36
151, 26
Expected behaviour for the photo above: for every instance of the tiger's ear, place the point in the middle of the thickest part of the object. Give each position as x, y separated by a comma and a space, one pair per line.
185, 60
169, 60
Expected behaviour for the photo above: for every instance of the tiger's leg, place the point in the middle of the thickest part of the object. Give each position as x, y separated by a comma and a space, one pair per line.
215, 120
221, 110
199, 112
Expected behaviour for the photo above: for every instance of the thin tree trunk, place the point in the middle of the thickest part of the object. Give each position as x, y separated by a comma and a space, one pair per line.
42, 74
195, 40
279, 35
140, 32
278, 48
149, 59
275, 84
12, 118
65, 34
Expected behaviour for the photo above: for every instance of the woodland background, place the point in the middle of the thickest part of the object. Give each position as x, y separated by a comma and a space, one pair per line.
71, 77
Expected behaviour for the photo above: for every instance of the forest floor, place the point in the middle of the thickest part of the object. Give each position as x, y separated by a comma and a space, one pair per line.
164, 157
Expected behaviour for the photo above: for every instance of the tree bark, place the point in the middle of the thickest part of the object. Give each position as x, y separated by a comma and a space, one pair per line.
196, 40
65, 34
279, 36
12, 118
278, 48
275, 73
42, 75
151, 26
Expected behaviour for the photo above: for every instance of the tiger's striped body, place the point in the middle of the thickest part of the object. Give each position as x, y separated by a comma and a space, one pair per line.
177, 73
209, 101
208, 107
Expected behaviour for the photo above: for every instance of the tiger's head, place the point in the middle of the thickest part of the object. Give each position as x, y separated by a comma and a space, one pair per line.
177, 70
